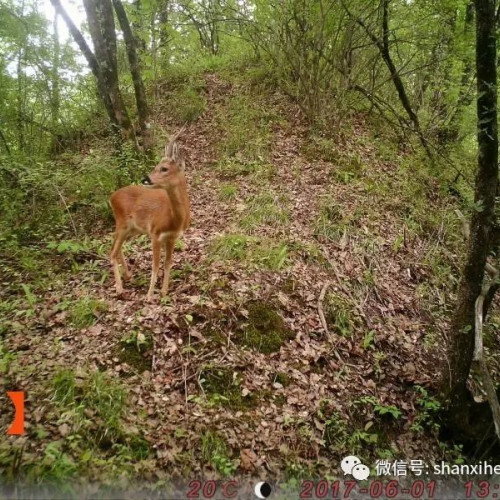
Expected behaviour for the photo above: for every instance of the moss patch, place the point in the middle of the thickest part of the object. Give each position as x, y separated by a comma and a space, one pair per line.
281, 378
134, 349
223, 386
265, 330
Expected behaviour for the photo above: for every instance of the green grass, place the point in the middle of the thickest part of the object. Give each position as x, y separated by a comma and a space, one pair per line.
340, 314
331, 224
186, 104
320, 148
265, 208
250, 250
227, 192
89, 409
83, 312
232, 168
95, 393
244, 121
93, 405
348, 168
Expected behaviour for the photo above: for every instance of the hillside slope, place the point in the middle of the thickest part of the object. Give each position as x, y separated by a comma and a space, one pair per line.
234, 372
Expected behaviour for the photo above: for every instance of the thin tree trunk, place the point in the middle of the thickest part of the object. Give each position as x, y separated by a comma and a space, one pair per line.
93, 65
102, 30
384, 49
55, 100
462, 325
20, 101
4, 140
135, 70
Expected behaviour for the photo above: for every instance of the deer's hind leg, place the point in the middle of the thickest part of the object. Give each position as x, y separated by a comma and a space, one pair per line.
126, 270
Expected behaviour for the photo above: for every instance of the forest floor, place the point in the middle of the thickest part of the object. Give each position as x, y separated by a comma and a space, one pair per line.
234, 373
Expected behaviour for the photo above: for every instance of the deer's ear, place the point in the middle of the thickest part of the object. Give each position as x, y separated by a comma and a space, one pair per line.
182, 164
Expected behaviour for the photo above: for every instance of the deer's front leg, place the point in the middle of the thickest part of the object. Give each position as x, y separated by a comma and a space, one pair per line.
156, 266
169, 250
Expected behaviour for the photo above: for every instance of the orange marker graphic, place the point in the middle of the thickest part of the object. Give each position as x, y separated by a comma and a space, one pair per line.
17, 398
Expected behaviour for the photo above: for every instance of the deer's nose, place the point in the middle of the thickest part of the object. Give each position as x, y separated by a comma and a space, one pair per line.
146, 181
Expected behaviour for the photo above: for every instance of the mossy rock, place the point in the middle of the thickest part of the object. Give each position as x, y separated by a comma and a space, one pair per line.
265, 330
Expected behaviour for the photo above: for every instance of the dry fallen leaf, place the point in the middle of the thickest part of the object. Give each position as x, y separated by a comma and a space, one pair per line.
248, 459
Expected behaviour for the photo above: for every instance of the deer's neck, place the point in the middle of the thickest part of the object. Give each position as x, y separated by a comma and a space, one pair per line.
178, 202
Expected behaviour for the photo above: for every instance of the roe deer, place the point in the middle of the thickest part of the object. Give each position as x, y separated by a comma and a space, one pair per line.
160, 208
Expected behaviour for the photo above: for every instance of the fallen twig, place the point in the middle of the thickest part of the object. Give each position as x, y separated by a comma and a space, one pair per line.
67, 209
320, 309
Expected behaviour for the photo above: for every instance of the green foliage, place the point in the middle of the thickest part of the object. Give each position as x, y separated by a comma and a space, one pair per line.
369, 339
89, 409
330, 224
429, 409
380, 409
55, 466
6, 358
321, 148
290, 79
232, 168
231, 246
349, 169
92, 405
281, 378
335, 433
133, 348
95, 394
215, 451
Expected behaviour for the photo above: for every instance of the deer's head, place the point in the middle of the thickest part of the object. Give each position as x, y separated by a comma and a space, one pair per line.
169, 172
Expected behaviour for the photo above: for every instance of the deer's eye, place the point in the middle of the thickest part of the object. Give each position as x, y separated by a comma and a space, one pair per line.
163, 169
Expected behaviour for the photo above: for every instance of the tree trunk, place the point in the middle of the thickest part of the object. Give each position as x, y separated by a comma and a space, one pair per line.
102, 30
135, 70
93, 65
462, 325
